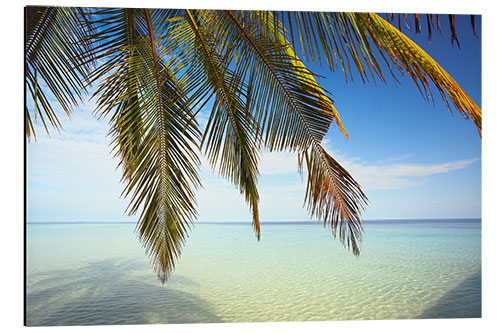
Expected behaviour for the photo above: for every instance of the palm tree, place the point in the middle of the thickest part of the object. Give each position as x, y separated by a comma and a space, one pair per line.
156, 68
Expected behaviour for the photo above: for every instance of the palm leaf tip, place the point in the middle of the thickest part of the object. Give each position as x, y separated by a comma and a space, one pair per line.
334, 197
255, 216
230, 135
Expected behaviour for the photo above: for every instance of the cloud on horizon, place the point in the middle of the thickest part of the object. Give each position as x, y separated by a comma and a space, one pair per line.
397, 176
387, 174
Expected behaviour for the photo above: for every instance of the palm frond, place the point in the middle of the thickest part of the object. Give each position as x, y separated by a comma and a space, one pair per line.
59, 56
271, 23
230, 136
153, 133
119, 91
290, 107
293, 112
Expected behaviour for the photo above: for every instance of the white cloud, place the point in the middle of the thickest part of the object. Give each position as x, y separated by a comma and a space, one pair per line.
274, 163
400, 176
387, 175
397, 158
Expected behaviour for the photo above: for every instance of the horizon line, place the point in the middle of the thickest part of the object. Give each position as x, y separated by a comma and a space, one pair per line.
262, 222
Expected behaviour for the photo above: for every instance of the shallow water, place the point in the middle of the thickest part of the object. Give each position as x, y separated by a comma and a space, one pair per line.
97, 274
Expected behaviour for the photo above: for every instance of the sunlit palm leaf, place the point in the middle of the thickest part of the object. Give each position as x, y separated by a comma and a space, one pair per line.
334, 37
119, 91
357, 33
410, 58
276, 29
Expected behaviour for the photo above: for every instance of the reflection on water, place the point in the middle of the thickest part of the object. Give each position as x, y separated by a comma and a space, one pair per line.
103, 293
98, 274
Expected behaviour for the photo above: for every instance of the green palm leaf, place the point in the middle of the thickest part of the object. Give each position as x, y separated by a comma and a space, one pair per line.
289, 106
153, 130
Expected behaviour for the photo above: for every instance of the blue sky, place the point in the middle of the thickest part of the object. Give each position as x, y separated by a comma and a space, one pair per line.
413, 159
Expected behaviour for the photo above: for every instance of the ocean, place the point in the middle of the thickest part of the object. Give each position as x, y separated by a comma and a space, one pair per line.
99, 274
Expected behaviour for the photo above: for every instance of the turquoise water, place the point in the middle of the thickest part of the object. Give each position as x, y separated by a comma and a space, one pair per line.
98, 274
